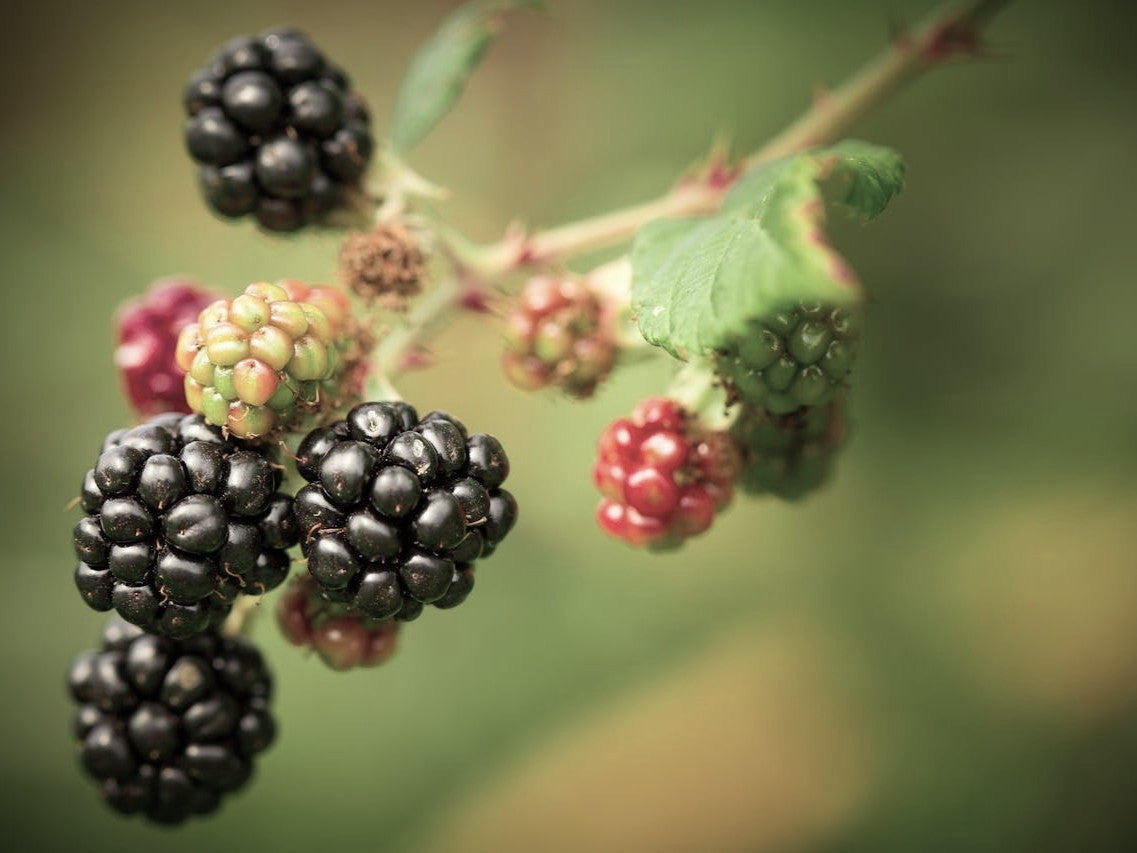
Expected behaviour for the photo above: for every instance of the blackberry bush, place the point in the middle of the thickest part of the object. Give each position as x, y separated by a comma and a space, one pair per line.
276, 131
730, 272
178, 522
147, 332
168, 728
340, 636
663, 475
397, 509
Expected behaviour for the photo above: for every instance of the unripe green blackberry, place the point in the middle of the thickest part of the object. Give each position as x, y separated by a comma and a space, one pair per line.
559, 334
789, 455
264, 359
794, 358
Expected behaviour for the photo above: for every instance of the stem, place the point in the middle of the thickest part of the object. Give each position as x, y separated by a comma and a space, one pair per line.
427, 312
520, 250
239, 617
951, 31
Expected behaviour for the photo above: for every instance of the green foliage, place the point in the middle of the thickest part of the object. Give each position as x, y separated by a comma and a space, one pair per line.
439, 71
697, 284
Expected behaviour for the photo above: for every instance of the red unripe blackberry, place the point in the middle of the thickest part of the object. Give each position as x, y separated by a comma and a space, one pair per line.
662, 474
147, 331
169, 728
343, 638
560, 333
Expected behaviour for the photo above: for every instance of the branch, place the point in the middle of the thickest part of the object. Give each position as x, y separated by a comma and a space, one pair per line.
237, 622
952, 31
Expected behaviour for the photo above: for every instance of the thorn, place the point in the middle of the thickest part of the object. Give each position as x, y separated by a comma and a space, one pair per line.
475, 300
417, 358
954, 38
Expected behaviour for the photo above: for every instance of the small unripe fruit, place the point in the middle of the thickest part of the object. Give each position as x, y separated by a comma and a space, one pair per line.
148, 335
341, 636
269, 356
560, 333
662, 474
797, 357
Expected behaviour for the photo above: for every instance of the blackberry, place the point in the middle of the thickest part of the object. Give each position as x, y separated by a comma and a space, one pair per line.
167, 728
178, 522
147, 332
559, 334
275, 131
789, 455
663, 476
794, 358
340, 636
261, 361
398, 508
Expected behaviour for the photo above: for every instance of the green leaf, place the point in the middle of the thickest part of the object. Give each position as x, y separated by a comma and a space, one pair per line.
439, 71
697, 284
860, 177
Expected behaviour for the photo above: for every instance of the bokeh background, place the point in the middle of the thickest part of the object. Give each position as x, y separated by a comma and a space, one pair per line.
938, 652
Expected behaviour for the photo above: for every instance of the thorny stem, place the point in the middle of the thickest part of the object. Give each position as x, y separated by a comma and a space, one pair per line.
951, 31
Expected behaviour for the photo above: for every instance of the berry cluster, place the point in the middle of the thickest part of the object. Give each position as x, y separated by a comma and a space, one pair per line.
560, 334
342, 638
662, 475
178, 522
256, 362
398, 508
167, 727
275, 131
789, 455
147, 331
794, 358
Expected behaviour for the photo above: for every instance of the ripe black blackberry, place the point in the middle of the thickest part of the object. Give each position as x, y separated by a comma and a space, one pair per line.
276, 131
398, 508
179, 521
168, 727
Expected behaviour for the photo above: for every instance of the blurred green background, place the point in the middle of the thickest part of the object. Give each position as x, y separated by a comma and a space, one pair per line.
939, 652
